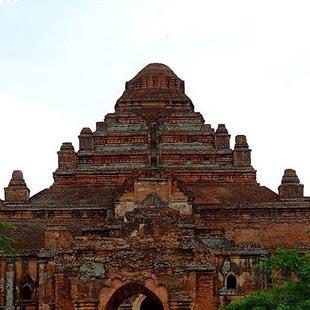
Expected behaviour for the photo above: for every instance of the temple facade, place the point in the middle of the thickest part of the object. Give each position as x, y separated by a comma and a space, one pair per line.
155, 210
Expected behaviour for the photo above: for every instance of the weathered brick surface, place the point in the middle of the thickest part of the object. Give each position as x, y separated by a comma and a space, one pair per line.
155, 209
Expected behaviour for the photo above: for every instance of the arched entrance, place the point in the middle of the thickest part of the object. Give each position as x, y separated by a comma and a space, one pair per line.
129, 291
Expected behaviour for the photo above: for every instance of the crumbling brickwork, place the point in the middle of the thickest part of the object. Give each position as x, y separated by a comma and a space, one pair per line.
154, 211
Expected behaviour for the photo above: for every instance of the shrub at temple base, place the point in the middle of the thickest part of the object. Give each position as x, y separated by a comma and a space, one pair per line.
290, 289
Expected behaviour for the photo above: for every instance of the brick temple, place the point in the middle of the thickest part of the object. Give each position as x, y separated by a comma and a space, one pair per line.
155, 210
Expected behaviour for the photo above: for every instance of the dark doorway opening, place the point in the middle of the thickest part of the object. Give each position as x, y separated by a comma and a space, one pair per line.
231, 282
150, 304
26, 293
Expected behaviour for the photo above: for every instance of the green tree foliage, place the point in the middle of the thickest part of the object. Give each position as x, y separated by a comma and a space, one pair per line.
6, 243
290, 289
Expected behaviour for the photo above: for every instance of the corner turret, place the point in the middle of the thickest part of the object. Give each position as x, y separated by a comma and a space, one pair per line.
17, 191
242, 153
290, 186
66, 157
222, 138
86, 141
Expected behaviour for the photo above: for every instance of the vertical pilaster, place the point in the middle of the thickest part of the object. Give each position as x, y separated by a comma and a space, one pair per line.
9, 287
63, 292
204, 291
42, 280
2, 283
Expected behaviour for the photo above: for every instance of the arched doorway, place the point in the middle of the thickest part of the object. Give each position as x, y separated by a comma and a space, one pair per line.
128, 292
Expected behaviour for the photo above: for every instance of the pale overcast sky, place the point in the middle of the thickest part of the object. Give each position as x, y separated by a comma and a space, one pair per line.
63, 65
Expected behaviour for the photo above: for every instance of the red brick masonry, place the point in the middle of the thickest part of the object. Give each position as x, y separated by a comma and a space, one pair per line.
154, 211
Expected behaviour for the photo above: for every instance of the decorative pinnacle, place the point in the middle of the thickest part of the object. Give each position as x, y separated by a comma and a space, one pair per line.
67, 146
221, 128
290, 177
241, 141
17, 179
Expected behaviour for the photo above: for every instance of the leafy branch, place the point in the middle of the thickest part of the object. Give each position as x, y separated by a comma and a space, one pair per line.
7, 243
